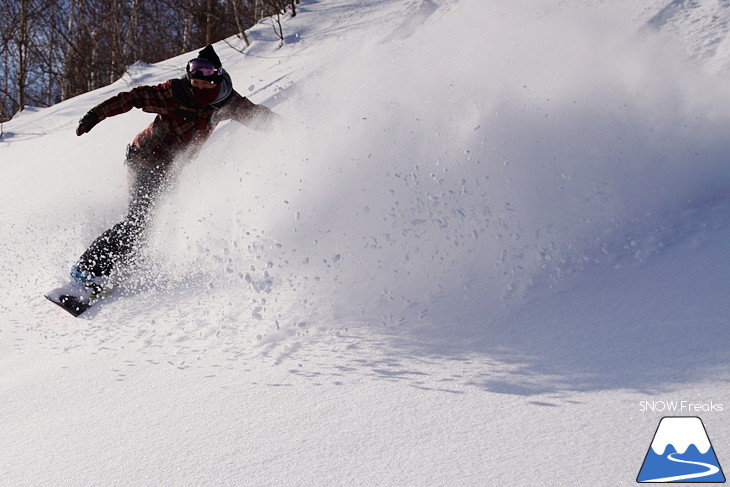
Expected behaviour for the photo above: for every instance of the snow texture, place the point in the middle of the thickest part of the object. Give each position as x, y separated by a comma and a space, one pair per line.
485, 232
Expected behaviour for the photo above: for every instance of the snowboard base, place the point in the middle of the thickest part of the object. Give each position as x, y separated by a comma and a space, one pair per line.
72, 304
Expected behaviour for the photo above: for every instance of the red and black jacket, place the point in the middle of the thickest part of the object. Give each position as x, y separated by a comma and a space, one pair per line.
181, 122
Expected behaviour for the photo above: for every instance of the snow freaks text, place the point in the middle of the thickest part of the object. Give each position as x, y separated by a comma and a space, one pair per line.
680, 407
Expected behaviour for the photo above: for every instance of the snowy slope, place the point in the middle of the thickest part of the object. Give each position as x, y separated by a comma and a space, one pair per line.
484, 233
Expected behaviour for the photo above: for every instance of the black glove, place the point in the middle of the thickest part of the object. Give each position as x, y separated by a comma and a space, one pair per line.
87, 123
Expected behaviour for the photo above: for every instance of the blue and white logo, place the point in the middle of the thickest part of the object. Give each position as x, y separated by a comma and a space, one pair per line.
681, 452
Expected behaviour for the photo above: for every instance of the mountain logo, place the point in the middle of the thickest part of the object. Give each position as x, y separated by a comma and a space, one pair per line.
681, 452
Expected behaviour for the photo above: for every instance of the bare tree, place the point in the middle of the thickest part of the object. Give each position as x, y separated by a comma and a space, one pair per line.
274, 9
51, 50
237, 14
22, 41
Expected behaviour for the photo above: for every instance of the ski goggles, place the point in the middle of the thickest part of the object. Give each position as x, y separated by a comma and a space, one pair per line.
202, 66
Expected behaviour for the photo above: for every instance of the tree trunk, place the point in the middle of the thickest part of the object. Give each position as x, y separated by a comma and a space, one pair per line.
208, 22
22, 43
133, 31
237, 14
66, 89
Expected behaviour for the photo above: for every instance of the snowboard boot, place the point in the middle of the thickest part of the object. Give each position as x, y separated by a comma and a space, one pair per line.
90, 288
81, 292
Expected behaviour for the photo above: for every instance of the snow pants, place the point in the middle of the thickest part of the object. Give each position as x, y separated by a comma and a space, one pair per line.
118, 245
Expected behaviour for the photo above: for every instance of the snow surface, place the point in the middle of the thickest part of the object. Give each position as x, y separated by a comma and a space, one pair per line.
486, 235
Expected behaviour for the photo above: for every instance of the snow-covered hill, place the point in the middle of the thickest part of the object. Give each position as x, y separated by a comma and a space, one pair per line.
484, 230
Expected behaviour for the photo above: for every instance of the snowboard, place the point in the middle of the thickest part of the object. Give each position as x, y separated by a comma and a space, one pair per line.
75, 299
73, 304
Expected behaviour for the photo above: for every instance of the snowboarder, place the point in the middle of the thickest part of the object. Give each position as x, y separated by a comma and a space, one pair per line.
188, 109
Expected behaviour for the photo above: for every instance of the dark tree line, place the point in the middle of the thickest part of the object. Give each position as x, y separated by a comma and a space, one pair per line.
51, 50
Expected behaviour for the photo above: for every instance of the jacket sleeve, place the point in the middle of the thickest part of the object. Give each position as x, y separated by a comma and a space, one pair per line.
153, 99
243, 110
